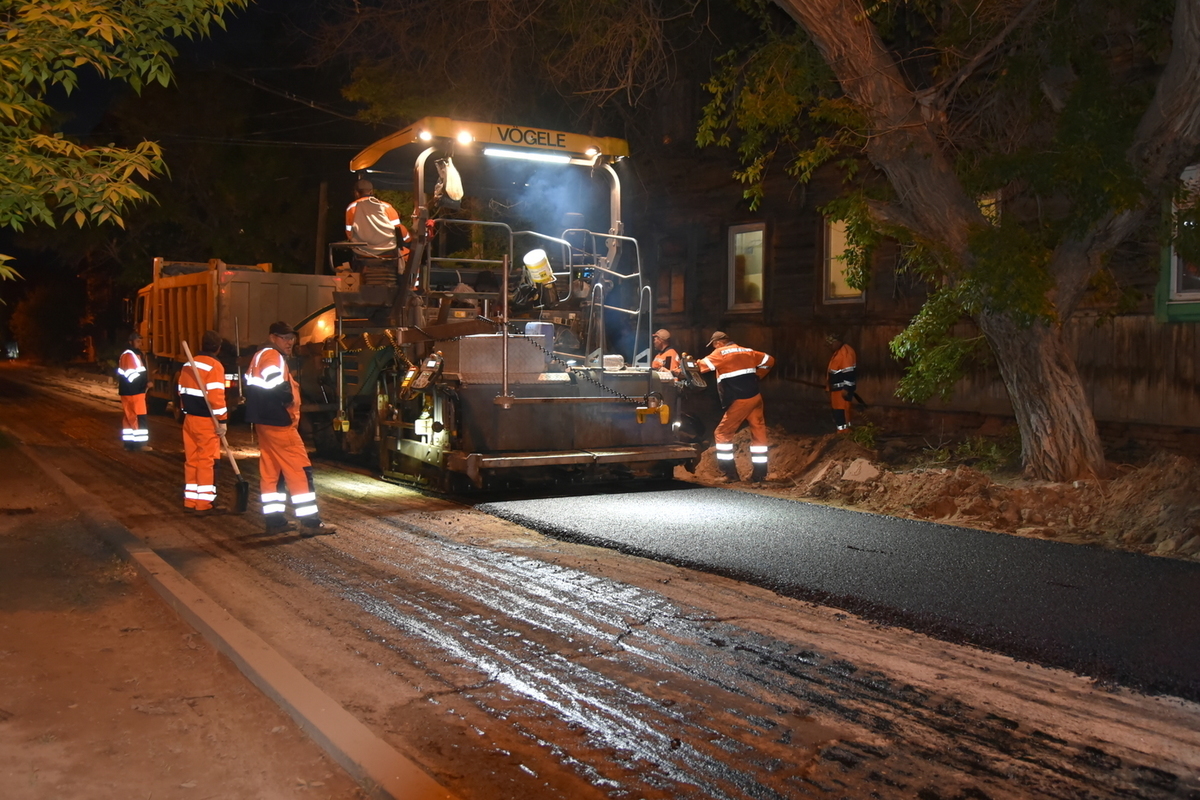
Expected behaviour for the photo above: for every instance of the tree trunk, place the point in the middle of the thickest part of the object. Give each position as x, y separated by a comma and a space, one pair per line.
1059, 440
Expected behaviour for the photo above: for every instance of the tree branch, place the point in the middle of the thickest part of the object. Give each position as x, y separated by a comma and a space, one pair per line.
939, 96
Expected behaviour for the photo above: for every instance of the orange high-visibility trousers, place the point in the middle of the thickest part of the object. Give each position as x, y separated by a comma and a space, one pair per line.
745, 410
284, 461
134, 432
748, 410
201, 451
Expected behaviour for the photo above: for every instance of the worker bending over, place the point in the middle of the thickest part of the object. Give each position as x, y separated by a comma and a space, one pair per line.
131, 386
201, 429
273, 406
738, 372
843, 379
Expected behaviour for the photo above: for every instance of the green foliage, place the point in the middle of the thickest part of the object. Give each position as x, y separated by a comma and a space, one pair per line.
45, 178
1010, 274
936, 355
1044, 122
984, 453
862, 235
989, 454
865, 435
780, 96
7, 273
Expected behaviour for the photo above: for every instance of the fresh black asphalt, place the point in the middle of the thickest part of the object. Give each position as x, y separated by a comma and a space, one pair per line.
1122, 618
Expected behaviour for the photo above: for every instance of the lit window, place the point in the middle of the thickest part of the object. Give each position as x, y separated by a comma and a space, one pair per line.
1185, 271
837, 289
746, 244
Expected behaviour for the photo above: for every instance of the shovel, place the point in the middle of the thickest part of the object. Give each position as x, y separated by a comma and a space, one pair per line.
242, 496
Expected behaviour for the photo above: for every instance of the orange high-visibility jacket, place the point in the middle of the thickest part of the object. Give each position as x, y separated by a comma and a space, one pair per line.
192, 394
738, 371
843, 370
132, 369
272, 396
667, 359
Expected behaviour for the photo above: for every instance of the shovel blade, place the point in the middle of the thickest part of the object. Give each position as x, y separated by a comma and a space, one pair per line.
242, 500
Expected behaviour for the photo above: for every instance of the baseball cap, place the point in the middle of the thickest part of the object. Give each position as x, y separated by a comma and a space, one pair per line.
281, 329
716, 337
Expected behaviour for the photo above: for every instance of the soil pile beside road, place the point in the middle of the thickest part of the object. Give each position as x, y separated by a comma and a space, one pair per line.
1151, 508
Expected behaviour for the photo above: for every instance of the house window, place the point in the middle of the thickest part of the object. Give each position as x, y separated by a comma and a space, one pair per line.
1185, 271
837, 288
746, 258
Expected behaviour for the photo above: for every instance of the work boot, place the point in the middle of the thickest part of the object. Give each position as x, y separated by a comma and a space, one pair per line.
211, 511
317, 528
277, 523
759, 474
729, 470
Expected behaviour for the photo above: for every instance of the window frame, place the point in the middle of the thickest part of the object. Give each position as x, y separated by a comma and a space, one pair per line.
731, 270
827, 260
1170, 304
1189, 175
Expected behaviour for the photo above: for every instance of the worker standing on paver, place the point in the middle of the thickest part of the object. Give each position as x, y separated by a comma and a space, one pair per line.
273, 406
202, 430
131, 386
738, 371
843, 379
665, 356
375, 225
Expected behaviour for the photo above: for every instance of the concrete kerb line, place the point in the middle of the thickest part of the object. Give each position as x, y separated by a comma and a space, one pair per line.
376, 765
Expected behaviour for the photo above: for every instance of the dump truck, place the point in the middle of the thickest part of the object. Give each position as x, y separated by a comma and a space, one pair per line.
512, 345
186, 298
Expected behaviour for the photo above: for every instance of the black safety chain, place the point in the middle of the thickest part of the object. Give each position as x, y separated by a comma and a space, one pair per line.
585, 374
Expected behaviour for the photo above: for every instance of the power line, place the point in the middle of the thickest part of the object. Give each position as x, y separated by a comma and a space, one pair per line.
304, 101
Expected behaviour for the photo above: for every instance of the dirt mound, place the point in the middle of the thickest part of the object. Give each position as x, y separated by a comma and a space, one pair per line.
791, 456
1153, 508
1156, 506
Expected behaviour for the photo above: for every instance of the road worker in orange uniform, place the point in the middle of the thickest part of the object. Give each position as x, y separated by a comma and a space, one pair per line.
843, 379
131, 386
738, 372
202, 430
273, 406
665, 356
376, 225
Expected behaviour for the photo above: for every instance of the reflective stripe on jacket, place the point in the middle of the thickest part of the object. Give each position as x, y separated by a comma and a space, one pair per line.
738, 371
191, 395
131, 372
843, 369
376, 224
269, 389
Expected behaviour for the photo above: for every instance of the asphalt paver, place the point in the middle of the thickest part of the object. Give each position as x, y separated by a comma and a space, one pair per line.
1123, 618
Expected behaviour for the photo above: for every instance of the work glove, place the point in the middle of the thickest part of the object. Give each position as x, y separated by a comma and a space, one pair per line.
848, 394
221, 428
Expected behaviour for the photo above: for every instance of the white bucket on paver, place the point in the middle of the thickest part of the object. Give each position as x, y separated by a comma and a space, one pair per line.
538, 266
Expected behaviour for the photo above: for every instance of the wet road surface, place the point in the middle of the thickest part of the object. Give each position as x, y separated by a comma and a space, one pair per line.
1118, 616
512, 665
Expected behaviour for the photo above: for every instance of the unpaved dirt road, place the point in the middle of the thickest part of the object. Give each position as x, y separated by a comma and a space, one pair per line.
511, 665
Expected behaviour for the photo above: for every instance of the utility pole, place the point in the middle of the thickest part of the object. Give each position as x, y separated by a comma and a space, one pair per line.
322, 216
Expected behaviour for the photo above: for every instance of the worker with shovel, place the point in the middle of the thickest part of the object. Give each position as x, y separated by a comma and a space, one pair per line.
843, 378
202, 399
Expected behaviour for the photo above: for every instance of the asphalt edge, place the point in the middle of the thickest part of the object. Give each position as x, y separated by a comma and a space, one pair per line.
376, 765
